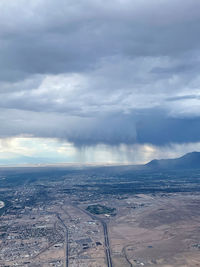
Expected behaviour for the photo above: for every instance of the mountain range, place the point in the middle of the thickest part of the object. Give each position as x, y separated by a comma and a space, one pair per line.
188, 161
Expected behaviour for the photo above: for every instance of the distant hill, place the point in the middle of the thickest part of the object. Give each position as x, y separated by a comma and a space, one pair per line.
188, 161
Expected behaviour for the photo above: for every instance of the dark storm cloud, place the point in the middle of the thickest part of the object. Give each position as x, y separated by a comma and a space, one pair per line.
149, 126
156, 128
96, 72
71, 36
80, 130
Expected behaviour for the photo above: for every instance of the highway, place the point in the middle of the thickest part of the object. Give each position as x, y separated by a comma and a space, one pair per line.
106, 237
107, 243
105, 231
66, 264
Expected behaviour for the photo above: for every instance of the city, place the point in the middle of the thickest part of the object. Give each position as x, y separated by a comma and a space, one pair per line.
94, 217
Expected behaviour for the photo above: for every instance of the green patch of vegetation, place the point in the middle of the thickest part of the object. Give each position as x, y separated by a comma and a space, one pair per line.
99, 209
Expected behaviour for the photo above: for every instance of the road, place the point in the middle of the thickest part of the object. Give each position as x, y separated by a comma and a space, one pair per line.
107, 243
125, 256
106, 237
66, 264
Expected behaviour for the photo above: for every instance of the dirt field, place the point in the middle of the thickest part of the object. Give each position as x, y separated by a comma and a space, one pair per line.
157, 231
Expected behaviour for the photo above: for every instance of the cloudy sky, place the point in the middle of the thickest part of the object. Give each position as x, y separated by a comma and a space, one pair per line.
99, 81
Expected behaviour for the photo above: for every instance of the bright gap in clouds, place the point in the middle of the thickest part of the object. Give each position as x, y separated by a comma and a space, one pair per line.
29, 150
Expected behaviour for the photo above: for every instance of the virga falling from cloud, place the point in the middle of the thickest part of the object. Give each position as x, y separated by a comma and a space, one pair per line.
93, 73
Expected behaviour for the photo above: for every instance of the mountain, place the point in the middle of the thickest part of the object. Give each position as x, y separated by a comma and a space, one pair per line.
188, 161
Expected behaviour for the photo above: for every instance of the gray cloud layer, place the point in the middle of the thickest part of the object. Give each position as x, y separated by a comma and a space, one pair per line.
96, 72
